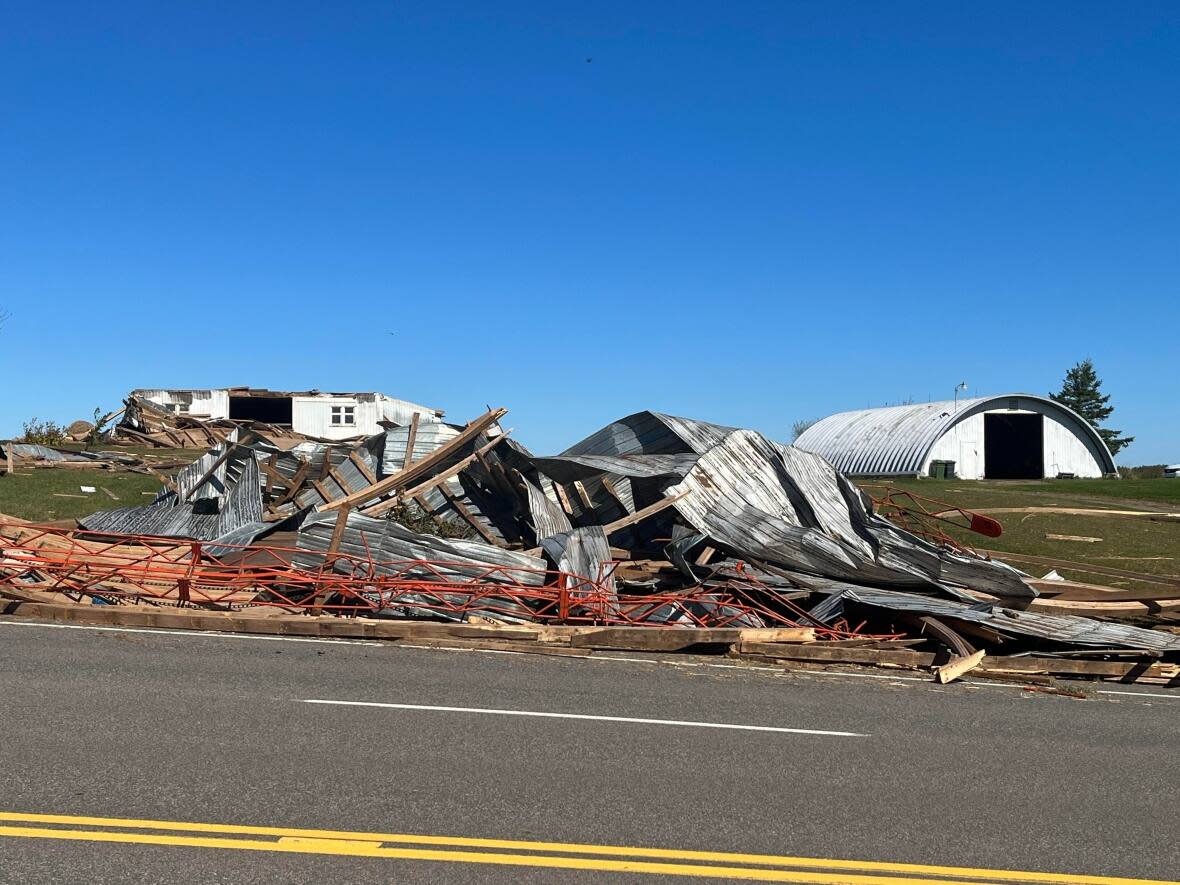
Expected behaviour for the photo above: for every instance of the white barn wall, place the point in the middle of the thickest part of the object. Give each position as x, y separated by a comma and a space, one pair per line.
963, 444
1064, 450
312, 415
201, 403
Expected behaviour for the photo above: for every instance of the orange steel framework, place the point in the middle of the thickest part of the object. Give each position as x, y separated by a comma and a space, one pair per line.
166, 571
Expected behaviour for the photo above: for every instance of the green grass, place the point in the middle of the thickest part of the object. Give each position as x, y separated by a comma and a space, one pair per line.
1129, 543
33, 494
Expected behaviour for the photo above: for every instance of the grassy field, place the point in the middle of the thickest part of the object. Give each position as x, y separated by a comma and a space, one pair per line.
1140, 544
42, 494
51, 494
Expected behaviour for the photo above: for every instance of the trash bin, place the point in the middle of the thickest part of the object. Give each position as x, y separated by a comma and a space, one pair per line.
942, 469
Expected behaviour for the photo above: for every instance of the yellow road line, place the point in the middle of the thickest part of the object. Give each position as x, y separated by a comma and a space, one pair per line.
364, 844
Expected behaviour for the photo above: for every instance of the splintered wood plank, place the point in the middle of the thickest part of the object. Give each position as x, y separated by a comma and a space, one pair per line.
958, 666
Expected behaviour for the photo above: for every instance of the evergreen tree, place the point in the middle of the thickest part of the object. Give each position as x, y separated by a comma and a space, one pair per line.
1081, 392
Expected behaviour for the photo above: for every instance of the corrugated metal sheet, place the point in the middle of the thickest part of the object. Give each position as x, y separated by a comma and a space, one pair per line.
790, 509
895, 441
547, 517
651, 433
202, 519
567, 468
1067, 629
428, 438
584, 552
385, 541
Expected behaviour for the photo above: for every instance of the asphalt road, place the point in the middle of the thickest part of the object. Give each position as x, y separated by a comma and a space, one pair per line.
160, 727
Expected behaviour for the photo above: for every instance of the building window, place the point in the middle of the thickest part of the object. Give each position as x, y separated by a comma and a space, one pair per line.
178, 408
1014, 404
344, 416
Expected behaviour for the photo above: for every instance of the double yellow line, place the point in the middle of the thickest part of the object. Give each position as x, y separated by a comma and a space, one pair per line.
510, 852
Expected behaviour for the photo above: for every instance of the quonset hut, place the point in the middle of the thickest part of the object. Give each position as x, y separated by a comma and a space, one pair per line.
1014, 436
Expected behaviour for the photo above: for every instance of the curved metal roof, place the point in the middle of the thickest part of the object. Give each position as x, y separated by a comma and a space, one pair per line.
896, 440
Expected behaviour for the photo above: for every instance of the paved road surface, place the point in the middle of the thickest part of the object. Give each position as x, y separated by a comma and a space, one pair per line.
136, 742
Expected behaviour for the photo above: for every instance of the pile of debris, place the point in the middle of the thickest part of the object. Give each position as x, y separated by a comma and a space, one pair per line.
146, 423
653, 521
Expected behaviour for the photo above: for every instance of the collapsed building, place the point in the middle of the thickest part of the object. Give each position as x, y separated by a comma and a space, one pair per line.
653, 521
180, 417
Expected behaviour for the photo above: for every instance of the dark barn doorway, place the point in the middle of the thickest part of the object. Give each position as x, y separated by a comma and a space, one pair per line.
268, 409
1013, 446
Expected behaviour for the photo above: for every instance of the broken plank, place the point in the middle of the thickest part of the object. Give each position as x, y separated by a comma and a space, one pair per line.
957, 666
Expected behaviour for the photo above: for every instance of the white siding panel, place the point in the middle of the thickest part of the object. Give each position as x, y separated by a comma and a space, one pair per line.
313, 415
201, 403
1066, 452
963, 444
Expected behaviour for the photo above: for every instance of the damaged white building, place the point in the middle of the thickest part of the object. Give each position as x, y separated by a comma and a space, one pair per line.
326, 415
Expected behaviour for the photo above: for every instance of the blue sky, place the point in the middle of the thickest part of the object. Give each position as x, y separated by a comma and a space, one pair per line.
745, 212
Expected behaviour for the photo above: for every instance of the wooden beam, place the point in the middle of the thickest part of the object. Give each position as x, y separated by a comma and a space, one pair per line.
322, 490
339, 480
640, 515
338, 530
221, 459
436, 480
273, 477
562, 497
405, 477
676, 638
470, 518
364, 468
296, 484
411, 439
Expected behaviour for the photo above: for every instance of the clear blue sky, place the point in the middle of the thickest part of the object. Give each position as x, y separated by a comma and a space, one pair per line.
750, 213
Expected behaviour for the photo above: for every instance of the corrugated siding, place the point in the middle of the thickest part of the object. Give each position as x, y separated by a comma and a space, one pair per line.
783, 507
1068, 629
651, 433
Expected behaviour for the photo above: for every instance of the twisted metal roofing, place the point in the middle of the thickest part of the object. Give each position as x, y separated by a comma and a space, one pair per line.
896, 440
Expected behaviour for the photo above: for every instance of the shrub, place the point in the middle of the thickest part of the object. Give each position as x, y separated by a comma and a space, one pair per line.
45, 433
